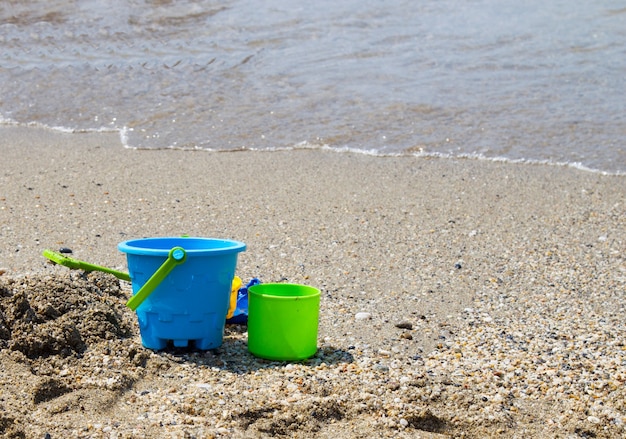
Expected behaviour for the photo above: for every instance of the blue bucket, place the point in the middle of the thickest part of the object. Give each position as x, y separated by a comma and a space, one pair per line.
191, 302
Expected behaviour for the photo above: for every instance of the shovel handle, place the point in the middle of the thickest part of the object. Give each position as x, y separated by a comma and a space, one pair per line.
75, 264
176, 256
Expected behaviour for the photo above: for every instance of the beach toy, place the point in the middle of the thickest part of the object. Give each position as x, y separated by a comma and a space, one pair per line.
234, 291
181, 288
176, 256
238, 313
237, 293
283, 321
75, 264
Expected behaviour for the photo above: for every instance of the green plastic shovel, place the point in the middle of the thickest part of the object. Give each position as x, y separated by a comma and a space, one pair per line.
176, 256
75, 264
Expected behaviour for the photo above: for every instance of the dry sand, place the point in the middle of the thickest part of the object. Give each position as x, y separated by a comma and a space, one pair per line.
493, 294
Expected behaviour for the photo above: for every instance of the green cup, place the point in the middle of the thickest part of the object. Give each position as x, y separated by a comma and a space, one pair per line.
283, 321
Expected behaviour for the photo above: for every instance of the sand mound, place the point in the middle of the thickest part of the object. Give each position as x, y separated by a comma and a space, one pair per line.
44, 316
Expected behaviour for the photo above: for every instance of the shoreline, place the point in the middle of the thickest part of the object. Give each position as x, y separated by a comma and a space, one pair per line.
63, 158
471, 272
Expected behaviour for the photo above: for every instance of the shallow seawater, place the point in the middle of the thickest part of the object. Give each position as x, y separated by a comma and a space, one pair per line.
530, 81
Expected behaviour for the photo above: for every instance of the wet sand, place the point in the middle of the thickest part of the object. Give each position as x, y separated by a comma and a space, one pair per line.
489, 295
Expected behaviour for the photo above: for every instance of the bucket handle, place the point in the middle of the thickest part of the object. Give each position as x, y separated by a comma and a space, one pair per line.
176, 256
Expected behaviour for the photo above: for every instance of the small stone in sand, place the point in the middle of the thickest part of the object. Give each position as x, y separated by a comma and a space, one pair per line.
363, 316
404, 324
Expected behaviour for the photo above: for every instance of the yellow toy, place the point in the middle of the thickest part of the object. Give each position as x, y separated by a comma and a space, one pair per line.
233, 297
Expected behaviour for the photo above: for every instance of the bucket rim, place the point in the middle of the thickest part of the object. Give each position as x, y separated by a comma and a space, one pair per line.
311, 291
161, 245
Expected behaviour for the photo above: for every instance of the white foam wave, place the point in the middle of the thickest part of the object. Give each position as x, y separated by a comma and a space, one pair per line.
468, 156
59, 129
124, 140
524, 161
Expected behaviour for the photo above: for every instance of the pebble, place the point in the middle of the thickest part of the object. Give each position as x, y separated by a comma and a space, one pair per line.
363, 316
404, 324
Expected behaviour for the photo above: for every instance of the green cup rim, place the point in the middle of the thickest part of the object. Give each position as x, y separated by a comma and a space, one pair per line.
308, 292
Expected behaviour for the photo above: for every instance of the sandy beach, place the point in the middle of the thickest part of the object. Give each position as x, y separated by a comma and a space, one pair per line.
460, 298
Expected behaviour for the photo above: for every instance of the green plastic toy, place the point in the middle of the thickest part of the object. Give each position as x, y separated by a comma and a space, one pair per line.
176, 256
75, 264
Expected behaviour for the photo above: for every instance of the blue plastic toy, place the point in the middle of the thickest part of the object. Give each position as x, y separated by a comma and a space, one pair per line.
239, 315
